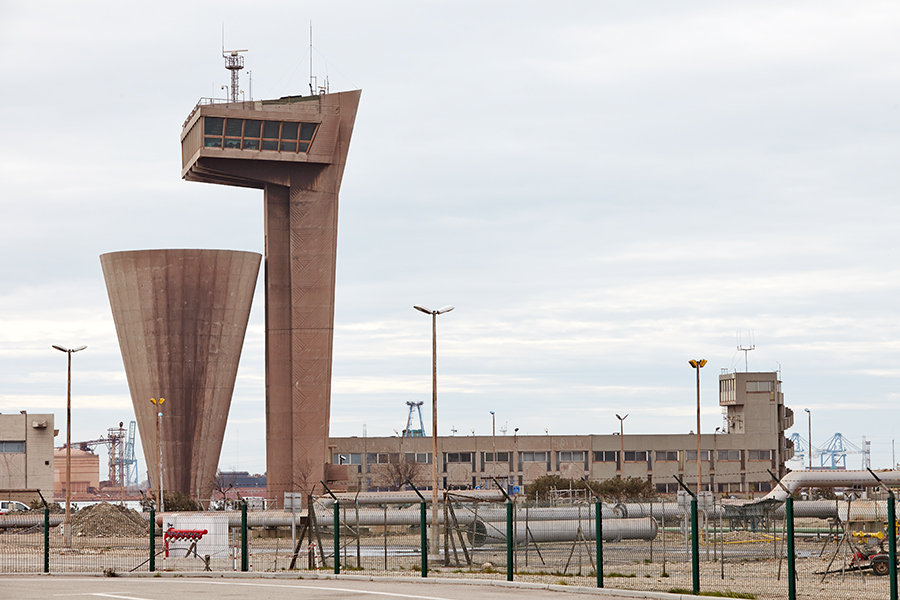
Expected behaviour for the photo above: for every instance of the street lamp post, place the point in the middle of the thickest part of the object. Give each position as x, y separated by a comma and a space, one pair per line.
67, 524
697, 365
160, 502
712, 458
809, 414
493, 442
512, 457
434, 430
621, 461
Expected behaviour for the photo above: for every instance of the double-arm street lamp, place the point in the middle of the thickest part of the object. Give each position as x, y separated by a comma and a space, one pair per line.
697, 365
622, 439
67, 525
434, 429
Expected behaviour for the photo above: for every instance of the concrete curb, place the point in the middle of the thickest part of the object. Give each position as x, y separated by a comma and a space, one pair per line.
294, 576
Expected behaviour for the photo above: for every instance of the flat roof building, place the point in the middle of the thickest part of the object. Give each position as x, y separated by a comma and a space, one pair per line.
735, 458
26, 455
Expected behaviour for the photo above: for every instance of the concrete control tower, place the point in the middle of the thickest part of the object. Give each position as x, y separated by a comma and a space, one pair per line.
294, 149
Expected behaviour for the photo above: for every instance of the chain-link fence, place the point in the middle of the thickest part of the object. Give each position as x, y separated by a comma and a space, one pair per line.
827, 548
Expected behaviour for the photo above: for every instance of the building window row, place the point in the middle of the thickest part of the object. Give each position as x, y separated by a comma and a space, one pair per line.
12, 447
254, 134
572, 456
564, 456
606, 456
501, 457
423, 458
760, 386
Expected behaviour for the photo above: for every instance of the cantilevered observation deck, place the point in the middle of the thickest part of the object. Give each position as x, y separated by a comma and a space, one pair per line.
294, 149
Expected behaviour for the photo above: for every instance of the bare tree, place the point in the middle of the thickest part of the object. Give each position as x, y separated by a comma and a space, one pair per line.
394, 475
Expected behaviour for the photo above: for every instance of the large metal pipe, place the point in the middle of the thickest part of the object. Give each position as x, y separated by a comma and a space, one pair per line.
822, 509
801, 479
411, 497
522, 514
32, 519
482, 532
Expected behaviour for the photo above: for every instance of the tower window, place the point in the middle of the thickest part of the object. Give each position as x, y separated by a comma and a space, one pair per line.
254, 134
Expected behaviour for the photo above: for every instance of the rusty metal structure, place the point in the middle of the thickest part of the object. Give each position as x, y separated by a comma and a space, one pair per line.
180, 317
294, 149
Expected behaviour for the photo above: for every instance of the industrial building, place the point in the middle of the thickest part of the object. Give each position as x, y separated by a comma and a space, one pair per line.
26, 456
735, 458
85, 475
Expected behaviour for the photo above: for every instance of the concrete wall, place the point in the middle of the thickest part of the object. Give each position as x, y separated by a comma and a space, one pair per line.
180, 317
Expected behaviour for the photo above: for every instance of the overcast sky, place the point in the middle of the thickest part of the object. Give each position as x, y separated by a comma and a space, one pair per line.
604, 190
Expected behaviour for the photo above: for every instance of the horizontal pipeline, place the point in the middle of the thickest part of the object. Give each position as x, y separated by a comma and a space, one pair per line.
564, 531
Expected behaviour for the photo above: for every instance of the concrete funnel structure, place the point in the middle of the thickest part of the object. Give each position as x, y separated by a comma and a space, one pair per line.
180, 317
294, 149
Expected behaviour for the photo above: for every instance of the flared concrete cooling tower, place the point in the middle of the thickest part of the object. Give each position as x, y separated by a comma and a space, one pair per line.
180, 317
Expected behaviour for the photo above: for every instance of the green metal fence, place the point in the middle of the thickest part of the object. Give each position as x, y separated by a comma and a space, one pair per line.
795, 549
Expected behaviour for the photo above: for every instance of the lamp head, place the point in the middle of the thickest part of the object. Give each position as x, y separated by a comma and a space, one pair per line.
698, 364
806, 409
444, 309
423, 309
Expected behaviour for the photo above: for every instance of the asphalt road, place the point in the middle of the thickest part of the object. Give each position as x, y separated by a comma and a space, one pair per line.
150, 588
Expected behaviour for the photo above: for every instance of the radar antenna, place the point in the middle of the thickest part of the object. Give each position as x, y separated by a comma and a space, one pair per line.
234, 62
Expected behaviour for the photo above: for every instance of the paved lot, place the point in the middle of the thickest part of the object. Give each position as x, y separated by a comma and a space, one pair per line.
167, 588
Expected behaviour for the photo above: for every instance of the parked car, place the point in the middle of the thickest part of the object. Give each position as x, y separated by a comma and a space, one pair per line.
11, 506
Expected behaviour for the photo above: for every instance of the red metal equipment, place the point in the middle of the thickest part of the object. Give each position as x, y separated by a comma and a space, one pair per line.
182, 534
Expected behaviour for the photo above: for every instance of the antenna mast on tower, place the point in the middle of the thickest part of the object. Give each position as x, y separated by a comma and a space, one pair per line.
234, 62
314, 87
746, 350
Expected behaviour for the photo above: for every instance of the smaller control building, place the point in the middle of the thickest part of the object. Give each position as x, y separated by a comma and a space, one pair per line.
26, 456
734, 460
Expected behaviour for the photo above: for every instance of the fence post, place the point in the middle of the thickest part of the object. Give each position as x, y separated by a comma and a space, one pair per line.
244, 549
892, 536
892, 543
695, 548
337, 537
423, 536
695, 532
598, 534
152, 538
46, 538
423, 528
510, 540
792, 567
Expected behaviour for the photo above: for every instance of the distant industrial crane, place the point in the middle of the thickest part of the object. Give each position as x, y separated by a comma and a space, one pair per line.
801, 445
414, 407
130, 462
833, 454
122, 462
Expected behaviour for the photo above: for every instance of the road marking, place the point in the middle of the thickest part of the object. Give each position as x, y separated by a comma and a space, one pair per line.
102, 595
334, 589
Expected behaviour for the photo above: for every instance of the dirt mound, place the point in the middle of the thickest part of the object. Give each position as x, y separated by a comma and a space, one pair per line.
109, 520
